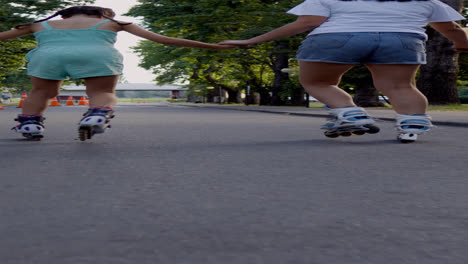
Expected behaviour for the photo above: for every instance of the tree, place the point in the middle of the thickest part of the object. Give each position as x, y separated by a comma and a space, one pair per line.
211, 21
438, 78
12, 58
18, 12
359, 81
18, 80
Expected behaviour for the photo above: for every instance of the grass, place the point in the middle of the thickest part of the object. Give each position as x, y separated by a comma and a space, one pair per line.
453, 107
460, 107
13, 102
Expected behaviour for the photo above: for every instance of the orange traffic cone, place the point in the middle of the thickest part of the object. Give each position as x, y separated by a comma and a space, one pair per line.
54, 102
1, 107
23, 96
83, 101
70, 101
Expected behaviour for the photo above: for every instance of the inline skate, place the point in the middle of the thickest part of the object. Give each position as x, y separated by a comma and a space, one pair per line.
31, 126
347, 121
95, 121
410, 126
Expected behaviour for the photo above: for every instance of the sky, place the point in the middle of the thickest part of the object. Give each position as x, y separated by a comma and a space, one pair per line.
132, 73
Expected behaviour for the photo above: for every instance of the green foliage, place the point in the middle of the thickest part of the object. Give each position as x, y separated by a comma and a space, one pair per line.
20, 10
12, 52
355, 77
215, 20
12, 55
212, 21
463, 66
18, 80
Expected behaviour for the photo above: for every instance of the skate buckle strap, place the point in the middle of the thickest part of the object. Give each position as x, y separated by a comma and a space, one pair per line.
105, 108
355, 115
349, 113
348, 117
26, 125
416, 124
24, 118
100, 111
29, 120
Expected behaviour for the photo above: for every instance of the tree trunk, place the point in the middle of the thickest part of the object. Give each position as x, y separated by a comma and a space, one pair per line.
366, 94
438, 78
265, 97
280, 62
297, 96
234, 96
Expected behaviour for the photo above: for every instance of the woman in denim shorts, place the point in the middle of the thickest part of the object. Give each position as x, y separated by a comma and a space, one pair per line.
387, 36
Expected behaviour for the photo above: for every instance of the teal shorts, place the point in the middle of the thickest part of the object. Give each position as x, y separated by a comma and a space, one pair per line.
59, 63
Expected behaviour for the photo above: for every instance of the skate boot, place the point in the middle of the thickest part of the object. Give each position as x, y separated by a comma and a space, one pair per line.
95, 121
347, 121
410, 126
31, 126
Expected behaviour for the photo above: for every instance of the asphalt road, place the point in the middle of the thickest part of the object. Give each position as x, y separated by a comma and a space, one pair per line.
182, 185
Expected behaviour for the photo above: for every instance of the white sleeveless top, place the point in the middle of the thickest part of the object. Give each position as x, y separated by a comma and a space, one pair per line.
376, 16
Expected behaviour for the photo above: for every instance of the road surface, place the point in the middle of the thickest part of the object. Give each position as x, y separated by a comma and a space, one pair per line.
183, 185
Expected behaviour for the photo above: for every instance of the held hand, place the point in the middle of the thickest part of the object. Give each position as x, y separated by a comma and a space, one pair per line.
218, 46
237, 43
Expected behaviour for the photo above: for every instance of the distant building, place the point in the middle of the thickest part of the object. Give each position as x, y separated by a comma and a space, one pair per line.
131, 90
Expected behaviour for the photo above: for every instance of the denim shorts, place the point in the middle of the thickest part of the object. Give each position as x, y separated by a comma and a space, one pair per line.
364, 47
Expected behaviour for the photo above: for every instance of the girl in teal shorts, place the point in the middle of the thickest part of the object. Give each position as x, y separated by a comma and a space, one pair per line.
80, 46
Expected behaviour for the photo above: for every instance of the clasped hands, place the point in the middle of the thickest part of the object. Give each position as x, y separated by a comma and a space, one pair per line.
229, 44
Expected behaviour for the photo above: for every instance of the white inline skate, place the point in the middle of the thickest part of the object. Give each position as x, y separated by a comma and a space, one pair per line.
95, 121
410, 126
31, 126
347, 121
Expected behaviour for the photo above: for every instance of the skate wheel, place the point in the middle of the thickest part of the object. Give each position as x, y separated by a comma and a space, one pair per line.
358, 133
406, 141
32, 137
36, 137
372, 129
84, 133
345, 134
331, 135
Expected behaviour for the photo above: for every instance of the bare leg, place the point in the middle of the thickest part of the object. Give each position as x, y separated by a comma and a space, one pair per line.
38, 99
101, 91
398, 83
321, 81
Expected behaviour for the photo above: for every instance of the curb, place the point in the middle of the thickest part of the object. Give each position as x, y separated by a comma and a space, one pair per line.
292, 113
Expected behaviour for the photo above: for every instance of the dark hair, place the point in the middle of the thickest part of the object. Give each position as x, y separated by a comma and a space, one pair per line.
78, 10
